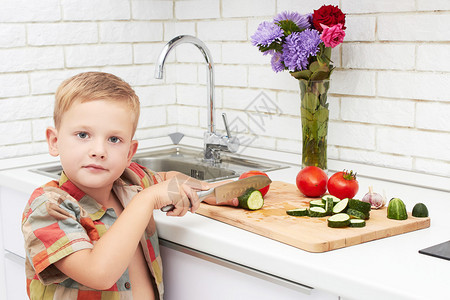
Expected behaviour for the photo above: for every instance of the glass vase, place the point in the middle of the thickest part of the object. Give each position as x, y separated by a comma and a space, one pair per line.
314, 115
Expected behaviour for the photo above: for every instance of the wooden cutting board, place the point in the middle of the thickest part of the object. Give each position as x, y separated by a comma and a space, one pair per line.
310, 234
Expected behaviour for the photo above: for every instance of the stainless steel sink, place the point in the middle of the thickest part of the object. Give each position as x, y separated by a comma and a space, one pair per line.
188, 161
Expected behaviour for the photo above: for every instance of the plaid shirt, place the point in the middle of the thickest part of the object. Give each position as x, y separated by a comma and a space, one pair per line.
59, 219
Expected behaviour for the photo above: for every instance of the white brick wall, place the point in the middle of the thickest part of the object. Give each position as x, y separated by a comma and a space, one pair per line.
389, 97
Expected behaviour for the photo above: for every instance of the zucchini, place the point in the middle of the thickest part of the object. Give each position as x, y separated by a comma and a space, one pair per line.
298, 212
316, 203
329, 206
339, 220
252, 199
359, 205
356, 214
317, 212
397, 210
334, 198
341, 206
420, 211
357, 223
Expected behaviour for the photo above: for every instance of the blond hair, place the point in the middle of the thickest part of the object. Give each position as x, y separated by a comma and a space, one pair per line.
91, 86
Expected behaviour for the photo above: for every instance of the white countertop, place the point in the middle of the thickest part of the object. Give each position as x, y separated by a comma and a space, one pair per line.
389, 268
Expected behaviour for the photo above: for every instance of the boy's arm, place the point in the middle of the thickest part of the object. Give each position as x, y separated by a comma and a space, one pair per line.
99, 268
205, 185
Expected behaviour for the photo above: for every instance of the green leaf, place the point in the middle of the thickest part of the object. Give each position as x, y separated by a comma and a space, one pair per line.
320, 75
314, 66
274, 46
310, 101
304, 74
288, 26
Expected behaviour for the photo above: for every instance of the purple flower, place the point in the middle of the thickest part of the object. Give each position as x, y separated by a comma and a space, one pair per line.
266, 34
299, 47
276, 62
301, 21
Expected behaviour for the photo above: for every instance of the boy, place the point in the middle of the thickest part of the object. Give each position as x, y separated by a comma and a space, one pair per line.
92, 234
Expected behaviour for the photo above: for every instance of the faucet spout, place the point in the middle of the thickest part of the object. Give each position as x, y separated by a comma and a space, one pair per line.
159, 71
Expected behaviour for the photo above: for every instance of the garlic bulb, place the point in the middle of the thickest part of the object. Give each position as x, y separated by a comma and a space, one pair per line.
375, 199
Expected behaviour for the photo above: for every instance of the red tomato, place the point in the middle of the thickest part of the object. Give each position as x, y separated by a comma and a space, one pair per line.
343, 184
265, 189
312, 181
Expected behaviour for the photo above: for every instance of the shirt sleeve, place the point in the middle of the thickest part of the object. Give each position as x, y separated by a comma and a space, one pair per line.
52, 230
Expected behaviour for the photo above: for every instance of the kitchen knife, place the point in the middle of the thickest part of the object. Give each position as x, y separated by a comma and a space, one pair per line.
230, 190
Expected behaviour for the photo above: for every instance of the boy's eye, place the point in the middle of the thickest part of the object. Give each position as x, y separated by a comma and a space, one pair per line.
114, 139
82, 135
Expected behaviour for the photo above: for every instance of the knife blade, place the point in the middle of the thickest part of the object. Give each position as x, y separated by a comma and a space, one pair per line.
230, 190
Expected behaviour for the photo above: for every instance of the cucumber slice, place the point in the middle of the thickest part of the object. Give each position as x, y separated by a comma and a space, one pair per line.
339, 220
335, 199
316, 203
329, 206
359, 205
317, 212
252, 199
298, 212
353, 213
341, 206
357, 223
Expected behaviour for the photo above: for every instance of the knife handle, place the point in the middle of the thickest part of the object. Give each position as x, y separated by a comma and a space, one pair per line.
202, 195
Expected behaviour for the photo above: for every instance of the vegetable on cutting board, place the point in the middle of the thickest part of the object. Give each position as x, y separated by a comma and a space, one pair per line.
396, 209
339, 220
343, 184
357, 223
376, 200
263, 190
317, 212
318, 203
252, 199
298, 212
312, 181
341, 206
420, 211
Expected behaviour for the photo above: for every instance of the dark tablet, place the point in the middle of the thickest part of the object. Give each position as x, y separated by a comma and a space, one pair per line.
441, 250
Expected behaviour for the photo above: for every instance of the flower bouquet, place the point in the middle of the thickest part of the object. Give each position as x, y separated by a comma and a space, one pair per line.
302, 45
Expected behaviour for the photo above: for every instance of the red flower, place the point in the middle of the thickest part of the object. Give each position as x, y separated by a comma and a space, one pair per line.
328, 15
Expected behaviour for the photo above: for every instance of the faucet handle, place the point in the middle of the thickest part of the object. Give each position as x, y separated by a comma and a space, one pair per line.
232, 142
225, 122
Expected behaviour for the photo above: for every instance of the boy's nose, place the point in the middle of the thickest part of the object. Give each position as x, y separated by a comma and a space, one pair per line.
98, 151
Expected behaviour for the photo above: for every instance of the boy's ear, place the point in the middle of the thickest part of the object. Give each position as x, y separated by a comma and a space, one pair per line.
132, 151
52, 138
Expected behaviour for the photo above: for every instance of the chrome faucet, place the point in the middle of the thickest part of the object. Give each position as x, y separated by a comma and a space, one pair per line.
213, 142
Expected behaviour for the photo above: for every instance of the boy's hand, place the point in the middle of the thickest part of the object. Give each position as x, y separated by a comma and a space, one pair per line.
181, 191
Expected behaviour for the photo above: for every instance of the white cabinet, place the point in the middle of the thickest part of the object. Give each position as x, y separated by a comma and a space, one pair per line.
189, 274
13, 285
15, 279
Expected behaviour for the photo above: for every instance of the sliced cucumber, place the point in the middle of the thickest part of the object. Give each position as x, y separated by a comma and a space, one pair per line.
252, 199
359, 205
334, 198
341, 206
339, 220
316, 203
356, 214
329, 206
357, 223
317, 212
298, 212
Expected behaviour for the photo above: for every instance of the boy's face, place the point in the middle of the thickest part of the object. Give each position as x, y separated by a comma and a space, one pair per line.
94, 142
